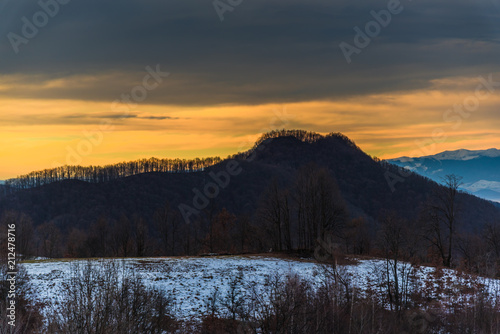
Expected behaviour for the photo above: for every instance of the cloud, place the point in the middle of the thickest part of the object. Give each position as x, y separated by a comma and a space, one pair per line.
121, 116
160, 118
78, 119
263, 52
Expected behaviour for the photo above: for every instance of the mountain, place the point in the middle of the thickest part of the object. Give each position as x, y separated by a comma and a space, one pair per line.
480, 169
465, 155
362, 181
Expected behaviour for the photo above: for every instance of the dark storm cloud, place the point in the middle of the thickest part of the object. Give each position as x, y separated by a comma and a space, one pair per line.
263, 51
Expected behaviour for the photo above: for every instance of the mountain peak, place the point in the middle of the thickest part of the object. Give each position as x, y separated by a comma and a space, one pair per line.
464, 154
461, 155
479, 169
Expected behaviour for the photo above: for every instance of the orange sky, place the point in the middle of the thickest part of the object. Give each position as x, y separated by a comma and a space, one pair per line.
43, 133
206, 85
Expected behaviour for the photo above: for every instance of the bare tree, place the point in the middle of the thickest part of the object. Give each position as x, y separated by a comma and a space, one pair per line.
122, 237
223, 225
98, 174
275, 212
441, 217
394, 240
76, 242
356, 236
244, 229
98, 238
208, 220
320, 207
234, 300
140, 236
50, 239
102, 297
167, 223
287, 221
492, 236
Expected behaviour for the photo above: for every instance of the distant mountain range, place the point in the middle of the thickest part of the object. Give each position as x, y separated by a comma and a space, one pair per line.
480, 169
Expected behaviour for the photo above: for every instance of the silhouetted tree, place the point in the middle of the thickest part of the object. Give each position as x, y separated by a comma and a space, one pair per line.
167, 223
122, 234
98, 238
357, 236
275, 213
441, 217
98, 174
320, 207
140, 236
222, 232
50, 239
76, 244
208, 219
492, 236
394, 240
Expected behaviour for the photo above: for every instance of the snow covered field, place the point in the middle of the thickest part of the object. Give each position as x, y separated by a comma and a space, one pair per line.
193, 279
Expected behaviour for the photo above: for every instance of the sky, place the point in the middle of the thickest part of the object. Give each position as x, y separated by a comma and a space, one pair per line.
98, 82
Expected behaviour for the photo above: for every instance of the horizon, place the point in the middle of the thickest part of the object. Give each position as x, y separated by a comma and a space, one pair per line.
2, 180
138, 82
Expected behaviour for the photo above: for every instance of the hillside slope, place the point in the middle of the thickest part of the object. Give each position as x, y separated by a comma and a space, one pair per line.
361, 179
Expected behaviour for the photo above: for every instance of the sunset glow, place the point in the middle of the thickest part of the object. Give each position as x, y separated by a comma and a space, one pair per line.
222, 91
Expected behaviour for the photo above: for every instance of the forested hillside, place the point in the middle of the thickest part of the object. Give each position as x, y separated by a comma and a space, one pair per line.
290, 190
